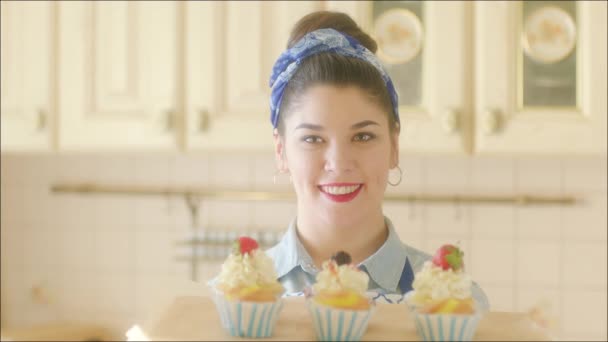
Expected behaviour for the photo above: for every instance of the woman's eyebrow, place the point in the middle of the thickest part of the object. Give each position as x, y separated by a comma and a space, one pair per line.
358, 125
362, 124
309, 126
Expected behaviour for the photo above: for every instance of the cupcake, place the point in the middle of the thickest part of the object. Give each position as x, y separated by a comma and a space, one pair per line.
338, 304
246, 292
441, 300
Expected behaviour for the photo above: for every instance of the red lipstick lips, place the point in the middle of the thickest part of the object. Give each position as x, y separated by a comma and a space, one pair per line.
333, 191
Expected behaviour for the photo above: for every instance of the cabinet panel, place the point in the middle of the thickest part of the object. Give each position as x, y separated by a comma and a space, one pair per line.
230, 50
118, 75
26, 77
442, 121
503, 126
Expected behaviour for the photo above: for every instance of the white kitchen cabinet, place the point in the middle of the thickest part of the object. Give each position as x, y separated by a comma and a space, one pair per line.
27, 75
504, 125
229, 53
441, 123
470, 84
118, 75
194, 76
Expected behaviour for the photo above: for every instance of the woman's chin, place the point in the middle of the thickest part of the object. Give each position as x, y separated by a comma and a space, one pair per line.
343, 218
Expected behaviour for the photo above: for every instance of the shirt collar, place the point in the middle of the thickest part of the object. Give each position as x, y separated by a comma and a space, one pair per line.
292, 254
390, 253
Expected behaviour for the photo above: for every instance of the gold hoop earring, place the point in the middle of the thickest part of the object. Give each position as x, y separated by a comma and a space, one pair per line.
278, 173
400, 177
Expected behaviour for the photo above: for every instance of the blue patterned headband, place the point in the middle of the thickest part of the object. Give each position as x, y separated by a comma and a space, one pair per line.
322, 40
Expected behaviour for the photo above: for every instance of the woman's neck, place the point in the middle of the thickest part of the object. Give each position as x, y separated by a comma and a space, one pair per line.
322, 239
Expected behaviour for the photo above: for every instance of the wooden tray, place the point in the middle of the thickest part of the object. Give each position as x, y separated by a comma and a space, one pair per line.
195, 318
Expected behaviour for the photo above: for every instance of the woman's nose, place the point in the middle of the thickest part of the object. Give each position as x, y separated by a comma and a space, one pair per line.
339, 158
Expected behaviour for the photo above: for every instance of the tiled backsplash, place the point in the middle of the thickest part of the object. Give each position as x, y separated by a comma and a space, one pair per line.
111, 258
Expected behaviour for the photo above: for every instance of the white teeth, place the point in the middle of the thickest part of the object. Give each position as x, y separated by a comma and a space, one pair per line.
340, 190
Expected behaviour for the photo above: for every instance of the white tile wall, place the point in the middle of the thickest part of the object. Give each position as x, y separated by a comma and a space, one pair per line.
190, 170
232, 171
539, 223
111, 258
407, 220
493, 221
585, 312
585, 265
501, 297
151, 250
492, 174
453, 220
585, 174
447, 173
115, 250
538, 174
538, 264
78, 248
586, 221
498, 271
233, 215
266, 215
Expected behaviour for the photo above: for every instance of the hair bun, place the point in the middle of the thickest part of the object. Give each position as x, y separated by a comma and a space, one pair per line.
335, 20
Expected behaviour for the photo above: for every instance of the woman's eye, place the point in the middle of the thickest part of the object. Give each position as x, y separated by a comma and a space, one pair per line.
364, 137
312, 139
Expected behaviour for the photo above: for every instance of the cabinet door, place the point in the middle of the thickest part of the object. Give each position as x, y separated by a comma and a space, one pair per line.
27, 58
231, 47
435, 106
504, 125
118, 74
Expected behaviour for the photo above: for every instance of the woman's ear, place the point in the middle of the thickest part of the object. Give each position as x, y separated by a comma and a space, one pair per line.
279, 151
394, 150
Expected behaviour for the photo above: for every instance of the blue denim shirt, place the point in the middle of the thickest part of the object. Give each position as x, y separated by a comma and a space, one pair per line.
387, 267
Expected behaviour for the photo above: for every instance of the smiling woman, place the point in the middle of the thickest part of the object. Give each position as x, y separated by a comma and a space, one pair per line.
338, 149
334, 110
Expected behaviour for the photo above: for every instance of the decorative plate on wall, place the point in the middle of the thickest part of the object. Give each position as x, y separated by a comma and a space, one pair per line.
399, 35
549, 34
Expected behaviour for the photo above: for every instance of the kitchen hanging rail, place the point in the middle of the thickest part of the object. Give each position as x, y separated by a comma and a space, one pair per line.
208, 193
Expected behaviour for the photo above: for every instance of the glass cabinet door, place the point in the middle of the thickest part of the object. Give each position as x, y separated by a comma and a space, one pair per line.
426, 47
540, 77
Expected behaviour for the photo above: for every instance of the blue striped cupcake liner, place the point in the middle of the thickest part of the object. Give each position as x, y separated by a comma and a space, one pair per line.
332, 324
443, 327
446, 327
247, 319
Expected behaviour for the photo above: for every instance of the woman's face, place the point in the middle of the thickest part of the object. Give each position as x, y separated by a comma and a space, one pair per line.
338, 148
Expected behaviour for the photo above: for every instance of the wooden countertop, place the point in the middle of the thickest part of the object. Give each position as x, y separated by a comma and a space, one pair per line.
195, 318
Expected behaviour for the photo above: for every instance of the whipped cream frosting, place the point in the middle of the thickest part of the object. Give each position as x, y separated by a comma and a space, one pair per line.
432, 283
334, 278
249, 269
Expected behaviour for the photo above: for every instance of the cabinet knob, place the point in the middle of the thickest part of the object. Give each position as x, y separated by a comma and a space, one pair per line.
203, 120
449, 121
169, 120
41, 119
491, 121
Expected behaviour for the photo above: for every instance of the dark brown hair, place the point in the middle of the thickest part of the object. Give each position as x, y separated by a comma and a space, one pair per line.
334, 69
